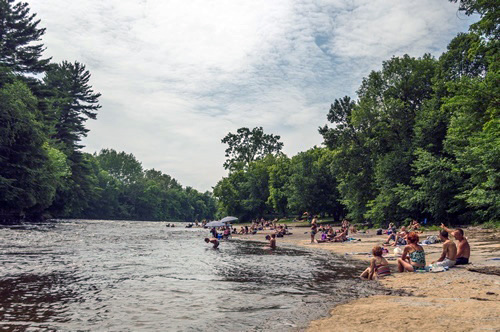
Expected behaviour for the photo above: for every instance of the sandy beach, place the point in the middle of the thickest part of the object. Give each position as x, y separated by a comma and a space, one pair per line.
465, 298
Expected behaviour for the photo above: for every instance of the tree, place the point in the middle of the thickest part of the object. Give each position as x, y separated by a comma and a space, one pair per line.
19, 34
249, 145
73, 102
312, 186
279, 175
123, 166
29, 167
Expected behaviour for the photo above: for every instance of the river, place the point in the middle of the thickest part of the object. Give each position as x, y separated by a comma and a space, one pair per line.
86, 275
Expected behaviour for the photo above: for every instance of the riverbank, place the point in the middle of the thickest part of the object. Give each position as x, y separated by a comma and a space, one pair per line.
460, 299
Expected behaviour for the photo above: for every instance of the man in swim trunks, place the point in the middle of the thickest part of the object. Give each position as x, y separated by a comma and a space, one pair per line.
463, 248
214, 241
449, 254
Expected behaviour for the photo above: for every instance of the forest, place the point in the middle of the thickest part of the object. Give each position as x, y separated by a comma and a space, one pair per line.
43, 171
420, 140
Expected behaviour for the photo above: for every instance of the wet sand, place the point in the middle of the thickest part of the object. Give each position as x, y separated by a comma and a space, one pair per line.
457, 300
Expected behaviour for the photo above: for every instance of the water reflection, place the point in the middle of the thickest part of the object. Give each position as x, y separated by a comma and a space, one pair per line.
116, 276
37, 298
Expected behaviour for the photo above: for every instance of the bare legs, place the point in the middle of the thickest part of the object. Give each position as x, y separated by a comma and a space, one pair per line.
404, 265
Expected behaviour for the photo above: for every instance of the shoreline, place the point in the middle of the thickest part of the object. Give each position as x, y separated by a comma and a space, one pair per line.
456, 300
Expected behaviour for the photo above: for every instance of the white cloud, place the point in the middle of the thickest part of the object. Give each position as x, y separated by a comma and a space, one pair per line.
177, 76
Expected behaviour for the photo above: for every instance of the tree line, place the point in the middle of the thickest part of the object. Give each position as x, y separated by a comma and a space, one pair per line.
422, 140
43, 171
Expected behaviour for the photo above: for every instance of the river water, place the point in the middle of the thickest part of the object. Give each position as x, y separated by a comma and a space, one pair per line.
142, 276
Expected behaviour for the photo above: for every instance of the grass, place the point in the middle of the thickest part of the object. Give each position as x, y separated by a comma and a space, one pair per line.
490, 225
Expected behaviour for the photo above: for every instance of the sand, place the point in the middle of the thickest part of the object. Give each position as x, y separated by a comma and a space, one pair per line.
455, 300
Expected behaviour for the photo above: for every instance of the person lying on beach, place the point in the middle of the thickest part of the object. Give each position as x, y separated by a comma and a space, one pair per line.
449, 254
212, 240
413, 258
379, 267
463, 247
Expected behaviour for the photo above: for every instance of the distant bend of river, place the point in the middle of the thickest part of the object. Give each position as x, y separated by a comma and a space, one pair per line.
142, 276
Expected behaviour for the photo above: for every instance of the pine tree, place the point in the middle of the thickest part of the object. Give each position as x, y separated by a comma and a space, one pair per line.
19, 33
72, 103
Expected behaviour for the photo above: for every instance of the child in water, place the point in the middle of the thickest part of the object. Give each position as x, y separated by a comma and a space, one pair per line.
272, 240
214, 241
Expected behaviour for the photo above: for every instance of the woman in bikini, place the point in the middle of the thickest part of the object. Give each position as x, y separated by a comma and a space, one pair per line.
413, 258
379, 267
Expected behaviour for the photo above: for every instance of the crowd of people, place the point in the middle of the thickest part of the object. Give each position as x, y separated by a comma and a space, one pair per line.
413, 255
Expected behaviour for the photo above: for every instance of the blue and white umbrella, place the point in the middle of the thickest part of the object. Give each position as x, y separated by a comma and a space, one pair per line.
228, 219
215, 223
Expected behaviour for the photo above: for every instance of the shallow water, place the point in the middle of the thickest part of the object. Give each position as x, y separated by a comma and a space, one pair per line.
142, 276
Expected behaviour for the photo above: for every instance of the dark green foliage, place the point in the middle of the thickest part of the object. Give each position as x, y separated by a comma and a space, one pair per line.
71, 103
43, 172
249, 145
29, 167
19, 33
125, 191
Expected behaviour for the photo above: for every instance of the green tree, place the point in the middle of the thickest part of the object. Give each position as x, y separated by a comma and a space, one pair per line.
29, 167
249, 145
73, 102
279, 175
19, 34
312, 185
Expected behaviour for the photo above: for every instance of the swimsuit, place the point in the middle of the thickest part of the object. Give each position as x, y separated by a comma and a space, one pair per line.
462, 261
382, 270
446, 263
418, 257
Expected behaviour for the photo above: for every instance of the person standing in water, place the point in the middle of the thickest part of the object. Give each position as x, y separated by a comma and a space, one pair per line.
214, 241
272, 241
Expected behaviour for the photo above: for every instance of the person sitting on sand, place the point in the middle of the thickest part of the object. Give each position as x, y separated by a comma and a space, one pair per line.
414, 225
331, 234
449, 255
463, 247
379, 267
341, 237
212, 240
397, 237
413, 258
391, 229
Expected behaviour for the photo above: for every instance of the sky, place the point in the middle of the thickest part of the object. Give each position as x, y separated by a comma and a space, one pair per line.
177, 75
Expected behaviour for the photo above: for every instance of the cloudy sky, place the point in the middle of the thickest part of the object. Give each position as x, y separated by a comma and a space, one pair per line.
177, 75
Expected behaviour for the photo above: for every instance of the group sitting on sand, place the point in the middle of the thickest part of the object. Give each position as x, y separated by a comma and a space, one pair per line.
413, 256
328, 234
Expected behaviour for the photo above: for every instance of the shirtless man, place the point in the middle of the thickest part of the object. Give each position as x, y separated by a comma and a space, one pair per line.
214, 241
272, 241
449, 254
463, 248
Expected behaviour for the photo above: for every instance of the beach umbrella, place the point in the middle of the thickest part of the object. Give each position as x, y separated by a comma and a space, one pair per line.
228, 219
215, 223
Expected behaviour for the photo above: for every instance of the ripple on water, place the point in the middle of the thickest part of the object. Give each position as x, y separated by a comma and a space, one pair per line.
119, 276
